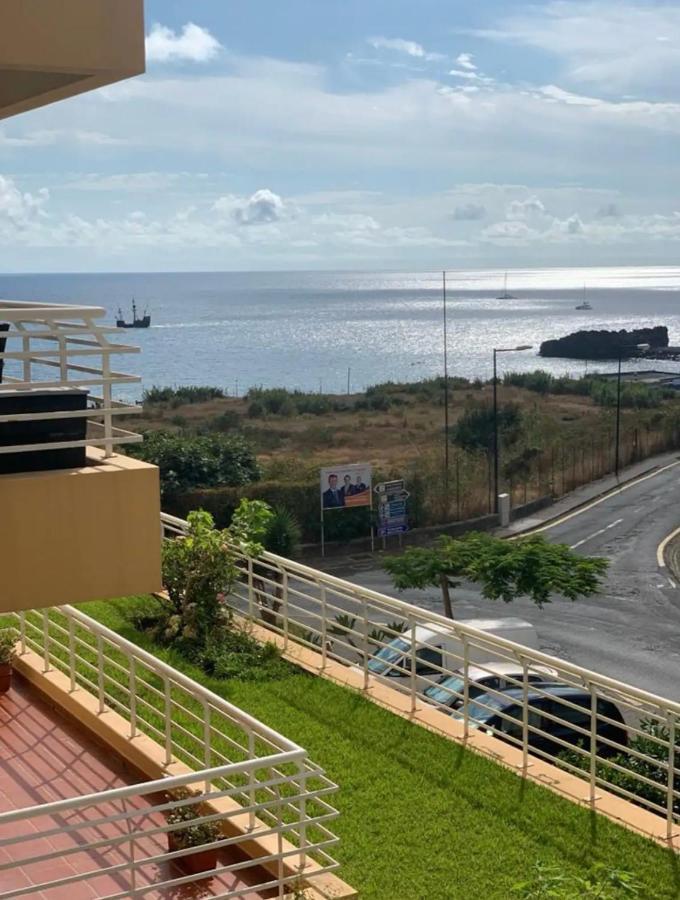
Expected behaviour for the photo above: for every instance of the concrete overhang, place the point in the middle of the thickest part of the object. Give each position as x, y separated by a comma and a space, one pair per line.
54, 49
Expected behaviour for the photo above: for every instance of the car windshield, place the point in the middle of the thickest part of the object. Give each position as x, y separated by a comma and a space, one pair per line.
491, 705
447, 691
388, 656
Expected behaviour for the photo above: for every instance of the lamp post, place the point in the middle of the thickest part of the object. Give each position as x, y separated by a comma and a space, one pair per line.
496, 351
617, 442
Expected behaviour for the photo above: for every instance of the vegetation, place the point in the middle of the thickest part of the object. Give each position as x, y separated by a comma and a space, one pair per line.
504, 570
604, 344
410, 801
177, 396
194, 833
188, 461
8, 639
474, 431
554, 883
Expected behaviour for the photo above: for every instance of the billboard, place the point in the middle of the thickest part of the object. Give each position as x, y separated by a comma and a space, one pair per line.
345, 487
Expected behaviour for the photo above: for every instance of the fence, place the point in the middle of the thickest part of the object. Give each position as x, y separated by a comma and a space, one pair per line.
609, 733
248, 780
51, 338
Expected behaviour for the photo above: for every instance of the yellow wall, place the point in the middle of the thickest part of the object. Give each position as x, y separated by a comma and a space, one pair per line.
52, 49
79, 534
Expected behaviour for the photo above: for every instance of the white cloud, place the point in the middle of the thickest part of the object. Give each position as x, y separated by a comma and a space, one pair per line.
132, 181
18, 210
464, 61
192, 44
264, 207
469, 212
399, 45
531, 207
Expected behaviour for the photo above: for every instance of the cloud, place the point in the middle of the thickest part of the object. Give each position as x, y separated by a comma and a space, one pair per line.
399, 45
469, 212
525, 209
192, 44
264, 207
133, 181
17, 209
609, 211
464, 61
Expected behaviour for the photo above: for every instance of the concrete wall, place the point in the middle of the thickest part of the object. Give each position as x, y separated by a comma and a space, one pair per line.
52, 49
79, 534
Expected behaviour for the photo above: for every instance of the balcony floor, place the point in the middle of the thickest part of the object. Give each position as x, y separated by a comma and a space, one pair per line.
45, 757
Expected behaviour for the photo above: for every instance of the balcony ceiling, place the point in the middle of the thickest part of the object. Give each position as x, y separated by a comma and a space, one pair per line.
51, 51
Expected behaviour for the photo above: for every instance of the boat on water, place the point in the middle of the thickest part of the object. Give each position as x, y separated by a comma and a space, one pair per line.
137, 321
584, 304
505, 295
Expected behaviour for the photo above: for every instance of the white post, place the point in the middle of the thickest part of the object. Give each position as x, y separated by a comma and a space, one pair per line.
324, 629
466, 687
670, 797
133, 697
413, 667
504, 510
525, 715
593, 743
72, 652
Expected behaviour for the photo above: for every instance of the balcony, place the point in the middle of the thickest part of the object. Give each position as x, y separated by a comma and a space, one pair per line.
51, 51
73, 509
101, 742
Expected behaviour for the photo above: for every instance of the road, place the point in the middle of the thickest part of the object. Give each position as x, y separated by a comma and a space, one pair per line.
631, 630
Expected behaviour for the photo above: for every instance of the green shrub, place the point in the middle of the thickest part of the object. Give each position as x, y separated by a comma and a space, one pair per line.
238, 655
550, 882
283, 533
187, 461
180, 395
475, 429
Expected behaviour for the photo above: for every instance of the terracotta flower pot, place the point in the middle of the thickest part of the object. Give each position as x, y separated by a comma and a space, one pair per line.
194, 863
5, 677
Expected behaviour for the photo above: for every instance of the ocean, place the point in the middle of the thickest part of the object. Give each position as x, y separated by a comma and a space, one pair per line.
309, 330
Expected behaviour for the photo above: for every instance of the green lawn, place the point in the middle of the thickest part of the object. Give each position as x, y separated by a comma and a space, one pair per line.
421, 817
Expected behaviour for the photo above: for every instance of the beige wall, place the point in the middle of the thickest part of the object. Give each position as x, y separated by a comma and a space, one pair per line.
52, 49
79, 534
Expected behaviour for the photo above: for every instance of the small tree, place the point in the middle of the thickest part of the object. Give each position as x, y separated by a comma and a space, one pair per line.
505, 570
200, 569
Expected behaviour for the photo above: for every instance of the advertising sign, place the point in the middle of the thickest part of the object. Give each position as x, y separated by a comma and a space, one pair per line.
345, 487
392, 514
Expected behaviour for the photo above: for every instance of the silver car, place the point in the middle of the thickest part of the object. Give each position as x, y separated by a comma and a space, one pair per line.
484, 677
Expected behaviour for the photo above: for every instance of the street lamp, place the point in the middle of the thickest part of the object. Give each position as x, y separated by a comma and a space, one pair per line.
617, 451
496, 351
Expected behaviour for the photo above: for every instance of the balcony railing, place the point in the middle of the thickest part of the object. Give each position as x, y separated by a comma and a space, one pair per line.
255, 784
346, 623
44, 347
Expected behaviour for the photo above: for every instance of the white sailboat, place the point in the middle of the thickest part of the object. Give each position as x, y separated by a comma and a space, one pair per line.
584, 305
505, 295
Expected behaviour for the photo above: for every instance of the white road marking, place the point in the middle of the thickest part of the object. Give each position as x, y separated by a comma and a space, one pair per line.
578, 512
595, 534
662, 547
672, 583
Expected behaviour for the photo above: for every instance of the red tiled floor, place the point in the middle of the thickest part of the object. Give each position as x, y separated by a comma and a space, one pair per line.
43, 758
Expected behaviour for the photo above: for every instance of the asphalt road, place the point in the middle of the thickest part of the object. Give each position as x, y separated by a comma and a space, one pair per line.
631, 631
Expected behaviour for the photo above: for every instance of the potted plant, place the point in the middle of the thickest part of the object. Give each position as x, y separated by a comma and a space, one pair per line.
7, 649
194, 833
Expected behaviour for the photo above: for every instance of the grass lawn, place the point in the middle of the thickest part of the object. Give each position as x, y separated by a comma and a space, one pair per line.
420, 816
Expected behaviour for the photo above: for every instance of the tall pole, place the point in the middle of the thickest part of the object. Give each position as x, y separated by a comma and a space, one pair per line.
617, 451
446, 393
495, 433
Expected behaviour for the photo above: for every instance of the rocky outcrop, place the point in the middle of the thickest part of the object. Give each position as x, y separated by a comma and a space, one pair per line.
605, 344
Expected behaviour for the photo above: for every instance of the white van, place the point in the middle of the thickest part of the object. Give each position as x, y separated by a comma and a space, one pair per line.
438, 648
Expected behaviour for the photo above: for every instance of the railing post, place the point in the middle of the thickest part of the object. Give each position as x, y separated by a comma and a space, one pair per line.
279, 841
26, 348
22, 630
324, 628
670, 795
414, 658
251, 780
284, 589
46, 641
593, 743
72, 652
168, 721
525, 715
365, 643
466, 687
207, 742
302, 807
107, 394
133, 697
100, 673
251, 593
63, 359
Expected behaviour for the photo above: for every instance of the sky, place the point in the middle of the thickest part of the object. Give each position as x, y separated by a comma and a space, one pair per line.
361, 134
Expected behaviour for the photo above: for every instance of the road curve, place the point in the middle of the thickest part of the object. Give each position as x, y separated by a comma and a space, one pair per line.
631, 630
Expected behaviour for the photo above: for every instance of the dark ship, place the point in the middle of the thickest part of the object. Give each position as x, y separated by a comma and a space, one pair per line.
143, 322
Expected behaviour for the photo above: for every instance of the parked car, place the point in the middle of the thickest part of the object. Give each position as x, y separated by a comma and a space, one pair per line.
439, 648
501, 715
491, 675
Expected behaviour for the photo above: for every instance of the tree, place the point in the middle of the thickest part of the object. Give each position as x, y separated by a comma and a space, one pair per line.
529, 567
475, 429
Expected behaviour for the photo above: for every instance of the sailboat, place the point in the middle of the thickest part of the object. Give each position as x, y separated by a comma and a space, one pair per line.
505, 295
584, 305
137, 322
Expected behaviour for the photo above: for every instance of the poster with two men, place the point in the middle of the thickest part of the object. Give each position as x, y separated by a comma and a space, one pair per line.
345, 487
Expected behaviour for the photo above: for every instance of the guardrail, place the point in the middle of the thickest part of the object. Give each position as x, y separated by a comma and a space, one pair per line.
267, 781
611, 734
50, 339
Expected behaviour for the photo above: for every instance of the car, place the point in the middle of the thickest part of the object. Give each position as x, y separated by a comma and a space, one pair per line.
496, 676
501, 715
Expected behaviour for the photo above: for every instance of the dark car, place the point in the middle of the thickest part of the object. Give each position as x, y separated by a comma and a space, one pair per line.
502, 715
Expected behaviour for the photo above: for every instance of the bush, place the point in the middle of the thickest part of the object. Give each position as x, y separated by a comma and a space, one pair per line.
475, 428
187, 461
552, 883
180, 395
238, 655
283, 533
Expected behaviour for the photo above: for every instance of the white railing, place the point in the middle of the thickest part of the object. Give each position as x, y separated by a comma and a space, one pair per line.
252, 781
47, 347
610, 733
